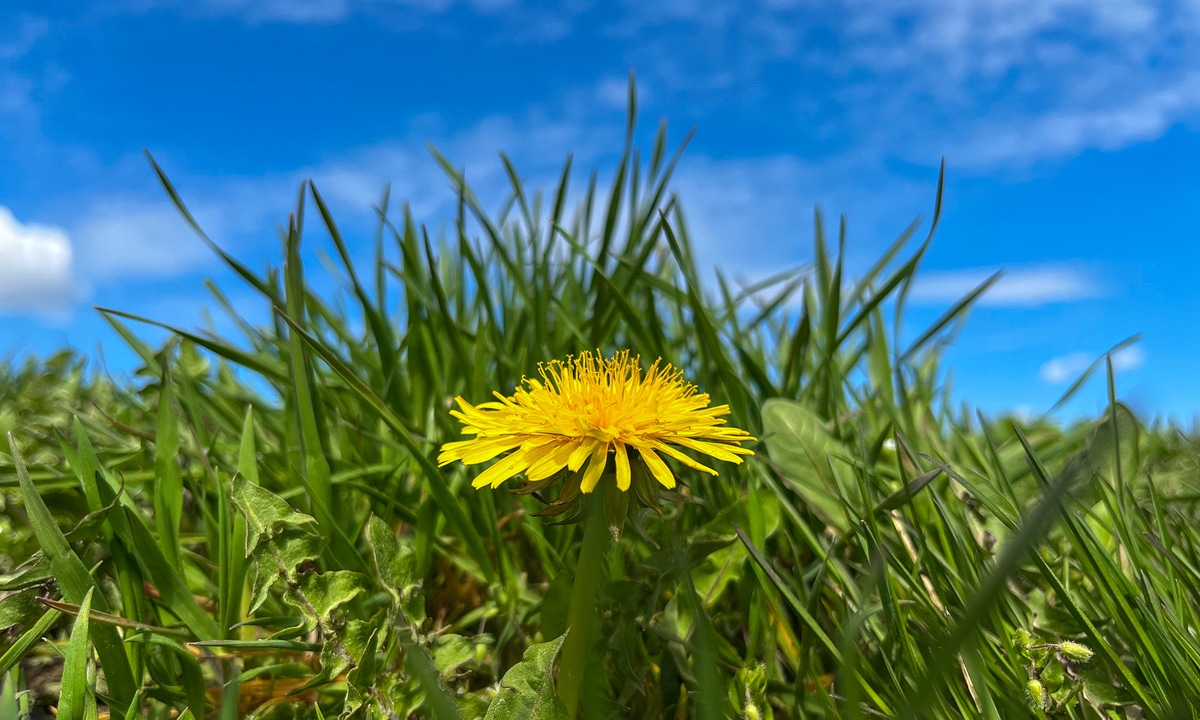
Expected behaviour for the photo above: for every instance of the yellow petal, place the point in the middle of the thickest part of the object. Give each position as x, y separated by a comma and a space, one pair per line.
658, 468
581, 452
595, 468
473, 452
548, 459
728, 453
501, 471
683, 458
623, 473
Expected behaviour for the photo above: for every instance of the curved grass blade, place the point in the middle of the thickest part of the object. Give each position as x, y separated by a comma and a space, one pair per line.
76, 583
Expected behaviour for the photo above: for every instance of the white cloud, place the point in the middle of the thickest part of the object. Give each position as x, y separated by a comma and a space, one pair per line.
1110, 125
1066, 368
35, 274
989, 83
122, 238
1022, 287
135, 235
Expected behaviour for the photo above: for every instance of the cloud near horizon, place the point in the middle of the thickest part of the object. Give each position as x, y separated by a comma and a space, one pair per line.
1026, 286
36, 275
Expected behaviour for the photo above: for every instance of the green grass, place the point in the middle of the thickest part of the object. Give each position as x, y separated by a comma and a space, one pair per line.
259, 529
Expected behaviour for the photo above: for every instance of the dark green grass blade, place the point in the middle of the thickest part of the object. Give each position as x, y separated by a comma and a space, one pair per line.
168, 488
257, 282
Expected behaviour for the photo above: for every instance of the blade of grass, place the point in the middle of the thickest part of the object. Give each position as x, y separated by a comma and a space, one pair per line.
76, 583
75, 685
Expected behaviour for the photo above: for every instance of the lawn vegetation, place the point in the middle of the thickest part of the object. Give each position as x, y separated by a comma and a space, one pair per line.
256, 526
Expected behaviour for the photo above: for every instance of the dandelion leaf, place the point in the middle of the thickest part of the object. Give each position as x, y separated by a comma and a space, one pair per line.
266, 513
527, 689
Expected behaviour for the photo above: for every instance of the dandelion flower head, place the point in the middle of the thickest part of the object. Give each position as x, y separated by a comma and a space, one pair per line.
588, 409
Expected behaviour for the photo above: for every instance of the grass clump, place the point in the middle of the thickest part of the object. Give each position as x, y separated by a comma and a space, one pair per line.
258, 527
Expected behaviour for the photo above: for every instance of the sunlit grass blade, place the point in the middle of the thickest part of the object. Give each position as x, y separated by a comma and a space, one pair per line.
75, 685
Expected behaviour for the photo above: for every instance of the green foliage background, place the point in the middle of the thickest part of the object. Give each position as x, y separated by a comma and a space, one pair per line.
257, 527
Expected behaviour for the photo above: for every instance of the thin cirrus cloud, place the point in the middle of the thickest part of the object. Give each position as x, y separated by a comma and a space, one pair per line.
36, 276
1029, 286
137, 235
1065, 368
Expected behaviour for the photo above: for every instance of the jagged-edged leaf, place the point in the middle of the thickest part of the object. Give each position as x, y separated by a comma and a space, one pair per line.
325, 592
265, 512
396, 568
527, 689
360, 682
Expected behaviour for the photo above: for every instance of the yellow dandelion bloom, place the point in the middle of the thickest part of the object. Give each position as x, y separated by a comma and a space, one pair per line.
587, 409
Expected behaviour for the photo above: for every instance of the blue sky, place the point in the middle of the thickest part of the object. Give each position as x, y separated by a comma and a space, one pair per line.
1069, 129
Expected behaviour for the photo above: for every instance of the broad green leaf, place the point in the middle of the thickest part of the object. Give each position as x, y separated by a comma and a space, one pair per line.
799, 443
360, 682
527, 689
19, 608
396, 568
451, 652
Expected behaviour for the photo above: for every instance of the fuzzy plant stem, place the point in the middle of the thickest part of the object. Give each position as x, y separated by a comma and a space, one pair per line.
582, 612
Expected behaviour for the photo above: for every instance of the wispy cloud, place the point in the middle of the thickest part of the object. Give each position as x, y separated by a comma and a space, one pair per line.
36, 275
21, 39
140, 234
1020, 287
17, 85
123, 238
1066, 368
537, 23
992, 84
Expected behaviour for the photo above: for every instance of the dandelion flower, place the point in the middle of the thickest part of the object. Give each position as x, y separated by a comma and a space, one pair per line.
588, 409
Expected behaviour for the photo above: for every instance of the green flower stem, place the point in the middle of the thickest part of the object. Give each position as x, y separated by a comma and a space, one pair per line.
582, 611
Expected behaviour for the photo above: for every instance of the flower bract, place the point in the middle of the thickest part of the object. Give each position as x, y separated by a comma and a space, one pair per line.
588, 410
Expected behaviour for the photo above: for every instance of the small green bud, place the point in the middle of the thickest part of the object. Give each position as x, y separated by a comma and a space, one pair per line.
1036, 692
1021, 642
1075, 651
